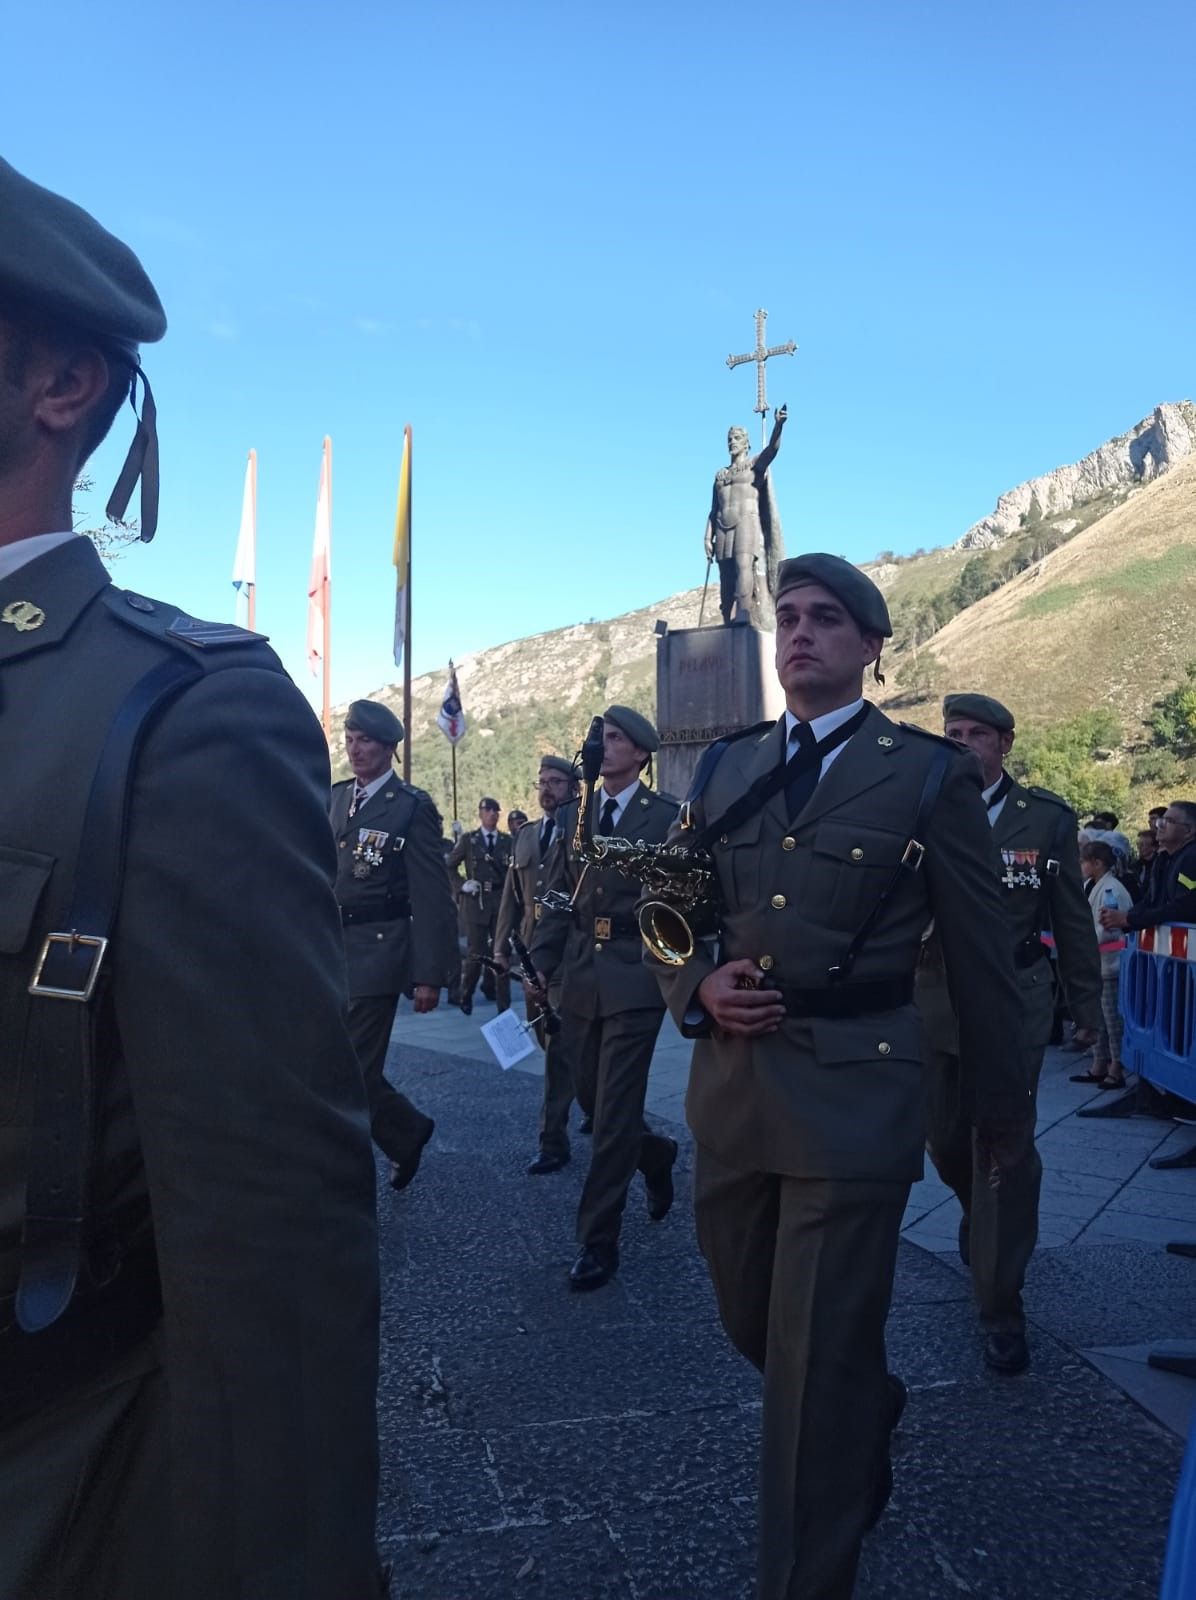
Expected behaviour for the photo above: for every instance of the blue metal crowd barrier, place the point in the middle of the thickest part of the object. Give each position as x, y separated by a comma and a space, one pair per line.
1158, 1007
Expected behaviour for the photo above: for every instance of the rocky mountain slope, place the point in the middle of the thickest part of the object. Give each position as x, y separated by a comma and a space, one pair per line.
1079, 590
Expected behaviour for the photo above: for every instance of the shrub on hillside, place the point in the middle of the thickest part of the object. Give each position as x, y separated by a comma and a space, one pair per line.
1072, 759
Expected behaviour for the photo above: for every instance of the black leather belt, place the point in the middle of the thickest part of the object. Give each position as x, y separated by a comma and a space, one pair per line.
1028, 953
846, 1000
616, 928
397, 912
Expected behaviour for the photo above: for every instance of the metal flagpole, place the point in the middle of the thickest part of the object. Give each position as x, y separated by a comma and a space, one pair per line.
407, 617
456, 808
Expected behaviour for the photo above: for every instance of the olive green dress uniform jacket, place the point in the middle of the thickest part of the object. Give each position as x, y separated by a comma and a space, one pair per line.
1033, 827
490, 870
230, 1112
844, 1097
602, 976
525, 880
419, 946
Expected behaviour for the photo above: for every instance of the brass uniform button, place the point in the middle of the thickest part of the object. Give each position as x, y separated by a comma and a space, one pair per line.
766, 963
344, 842
779, 902
722, 838
857, 854
597, 949
884, 1047
378, 936
788, 842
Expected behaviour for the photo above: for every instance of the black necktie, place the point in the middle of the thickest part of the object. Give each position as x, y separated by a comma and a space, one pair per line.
546, 828
607, 822
800, 785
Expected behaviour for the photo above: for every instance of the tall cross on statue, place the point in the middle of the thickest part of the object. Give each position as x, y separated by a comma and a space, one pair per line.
760, 355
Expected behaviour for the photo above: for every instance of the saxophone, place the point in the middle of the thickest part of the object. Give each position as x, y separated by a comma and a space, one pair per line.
679, 884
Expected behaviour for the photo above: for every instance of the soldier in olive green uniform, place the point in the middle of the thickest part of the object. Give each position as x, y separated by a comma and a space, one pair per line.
188, 1254
1041, 887
520, 911
484, 855
400, 929
806, 1091
610, 1005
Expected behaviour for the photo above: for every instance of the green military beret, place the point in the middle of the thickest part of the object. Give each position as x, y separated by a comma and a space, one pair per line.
56, 259
376, 721
859, 594
638, 729
558, 764
981, 708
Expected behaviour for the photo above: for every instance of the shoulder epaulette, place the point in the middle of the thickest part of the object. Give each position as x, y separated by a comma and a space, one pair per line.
925, 733
175, 627
1047, 794
713, 754
340, 783
417, 794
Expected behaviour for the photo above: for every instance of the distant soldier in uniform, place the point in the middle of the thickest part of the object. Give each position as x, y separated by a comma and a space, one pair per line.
610, 1005
188, 1254
484, 855
1041, 888
515, 821
397, 915
836, 836
520, 910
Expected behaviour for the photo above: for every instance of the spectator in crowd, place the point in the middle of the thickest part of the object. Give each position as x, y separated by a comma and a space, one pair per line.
1172, 896
1105, 891
515, 821
1154, 816
1138, 881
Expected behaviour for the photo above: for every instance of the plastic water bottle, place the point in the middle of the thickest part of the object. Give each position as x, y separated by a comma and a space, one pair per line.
1109, 900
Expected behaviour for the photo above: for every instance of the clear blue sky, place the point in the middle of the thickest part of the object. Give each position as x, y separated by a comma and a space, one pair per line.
536, 231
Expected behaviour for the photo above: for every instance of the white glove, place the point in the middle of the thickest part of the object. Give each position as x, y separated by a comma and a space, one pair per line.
471, 886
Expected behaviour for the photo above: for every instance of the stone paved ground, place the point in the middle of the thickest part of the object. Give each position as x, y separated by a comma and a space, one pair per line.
541, 1443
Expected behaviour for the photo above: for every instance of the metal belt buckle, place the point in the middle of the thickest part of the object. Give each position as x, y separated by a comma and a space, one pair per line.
538, 912
602, 927
914, 851
72, 940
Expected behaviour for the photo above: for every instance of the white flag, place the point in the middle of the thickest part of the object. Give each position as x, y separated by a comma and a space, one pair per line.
245, 561
451, 719
319, 584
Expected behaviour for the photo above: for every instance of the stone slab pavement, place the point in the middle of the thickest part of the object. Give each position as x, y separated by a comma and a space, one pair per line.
541, 1443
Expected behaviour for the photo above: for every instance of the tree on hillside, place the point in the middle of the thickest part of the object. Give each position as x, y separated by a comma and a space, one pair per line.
1173, 721
1072, 759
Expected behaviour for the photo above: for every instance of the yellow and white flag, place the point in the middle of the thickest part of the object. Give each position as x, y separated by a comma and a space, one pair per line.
402, 548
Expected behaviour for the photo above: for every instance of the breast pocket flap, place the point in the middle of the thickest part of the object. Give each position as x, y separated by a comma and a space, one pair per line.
23, 878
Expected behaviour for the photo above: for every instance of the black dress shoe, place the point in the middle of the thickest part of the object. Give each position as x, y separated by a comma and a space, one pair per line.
965, 1241
587, 1125
660, 1189
1007, 1353
595, 1265
402, 1172
546, 1163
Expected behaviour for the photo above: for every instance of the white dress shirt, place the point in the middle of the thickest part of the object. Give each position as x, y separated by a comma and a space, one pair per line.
987, 794
622, 801
17, 555
363, 792
820, 727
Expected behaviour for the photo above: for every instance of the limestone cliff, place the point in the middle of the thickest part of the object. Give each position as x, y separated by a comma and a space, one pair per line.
1151, 448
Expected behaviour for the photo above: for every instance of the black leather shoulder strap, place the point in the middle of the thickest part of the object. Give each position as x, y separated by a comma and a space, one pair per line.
59, 1042
911, 857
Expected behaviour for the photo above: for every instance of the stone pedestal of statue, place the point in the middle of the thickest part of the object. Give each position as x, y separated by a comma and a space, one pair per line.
709, 681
